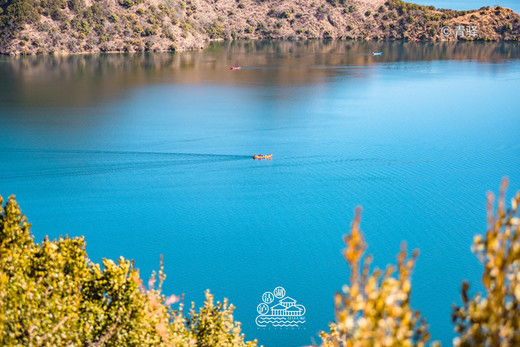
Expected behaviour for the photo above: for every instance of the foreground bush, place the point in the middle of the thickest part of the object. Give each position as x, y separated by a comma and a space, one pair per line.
493, 319
375, 309
51, 294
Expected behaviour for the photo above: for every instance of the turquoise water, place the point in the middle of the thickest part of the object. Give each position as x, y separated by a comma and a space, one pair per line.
151, 154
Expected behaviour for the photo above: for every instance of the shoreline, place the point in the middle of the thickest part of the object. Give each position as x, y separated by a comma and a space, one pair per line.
64, 54
152, 26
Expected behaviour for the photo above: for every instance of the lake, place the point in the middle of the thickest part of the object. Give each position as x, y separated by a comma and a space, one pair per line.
151, 154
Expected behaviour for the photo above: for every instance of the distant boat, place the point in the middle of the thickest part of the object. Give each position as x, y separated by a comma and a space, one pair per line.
378, 53
263, 156
235, 68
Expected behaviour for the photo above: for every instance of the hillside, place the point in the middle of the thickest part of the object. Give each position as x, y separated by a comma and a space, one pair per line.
80, 26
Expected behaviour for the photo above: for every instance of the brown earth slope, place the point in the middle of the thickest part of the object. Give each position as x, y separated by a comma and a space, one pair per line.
79, 26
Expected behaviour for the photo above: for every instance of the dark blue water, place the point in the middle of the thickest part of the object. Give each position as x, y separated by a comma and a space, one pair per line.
151, 154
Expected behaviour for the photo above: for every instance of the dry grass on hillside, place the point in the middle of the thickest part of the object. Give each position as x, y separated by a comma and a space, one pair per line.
162, 25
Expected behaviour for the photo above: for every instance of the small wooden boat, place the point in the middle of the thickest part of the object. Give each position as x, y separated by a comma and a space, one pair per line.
378, 53
263, 156
235, 68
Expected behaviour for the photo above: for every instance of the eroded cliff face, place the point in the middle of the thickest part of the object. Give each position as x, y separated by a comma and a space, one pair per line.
80, 26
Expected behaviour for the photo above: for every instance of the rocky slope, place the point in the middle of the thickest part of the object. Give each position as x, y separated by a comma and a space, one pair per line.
79, 26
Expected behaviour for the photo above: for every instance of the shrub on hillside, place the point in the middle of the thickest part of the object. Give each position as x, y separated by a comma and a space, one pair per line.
215, 30
350, 9
129, 3
150, 31
15, 14
322, 11
76, 5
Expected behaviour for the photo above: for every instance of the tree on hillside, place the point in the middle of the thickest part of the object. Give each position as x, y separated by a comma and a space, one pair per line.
14, 14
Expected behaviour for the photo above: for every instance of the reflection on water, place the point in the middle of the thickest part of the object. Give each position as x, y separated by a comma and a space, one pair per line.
82, 79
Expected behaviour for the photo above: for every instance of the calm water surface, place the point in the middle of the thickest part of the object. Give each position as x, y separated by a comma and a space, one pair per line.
151, 154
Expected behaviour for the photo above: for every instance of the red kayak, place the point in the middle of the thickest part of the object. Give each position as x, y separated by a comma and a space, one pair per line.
235, 68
